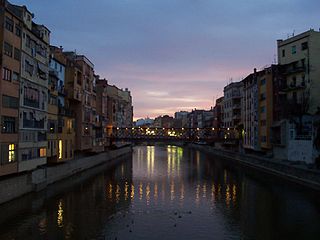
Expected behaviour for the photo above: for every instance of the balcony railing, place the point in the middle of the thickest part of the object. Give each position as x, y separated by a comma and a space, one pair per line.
33, 123
31, 103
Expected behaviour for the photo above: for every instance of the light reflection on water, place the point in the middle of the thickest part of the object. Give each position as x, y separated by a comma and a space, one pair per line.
168, 193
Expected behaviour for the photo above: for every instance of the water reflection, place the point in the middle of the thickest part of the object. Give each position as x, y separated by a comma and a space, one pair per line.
60, 214
166, 193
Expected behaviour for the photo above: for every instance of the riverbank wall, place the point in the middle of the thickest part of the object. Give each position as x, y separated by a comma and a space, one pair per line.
298, 174
16, 186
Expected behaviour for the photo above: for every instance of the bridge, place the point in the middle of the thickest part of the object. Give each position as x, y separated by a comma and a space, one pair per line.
172, 134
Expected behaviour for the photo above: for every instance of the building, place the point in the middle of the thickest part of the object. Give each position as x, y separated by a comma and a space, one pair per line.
300, 58
297, 91
218, 117
10, 38
61, 132
79, 86
265, 79
165, 121
249, 110
125, 109
102, 112
33, 110
182, 118
120, 110
232, 105
218, 113
146, 122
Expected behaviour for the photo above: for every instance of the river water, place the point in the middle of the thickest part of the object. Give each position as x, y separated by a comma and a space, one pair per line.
165, 192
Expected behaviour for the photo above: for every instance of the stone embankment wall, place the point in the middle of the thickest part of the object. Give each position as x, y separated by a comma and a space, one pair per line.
295, 173
38, 179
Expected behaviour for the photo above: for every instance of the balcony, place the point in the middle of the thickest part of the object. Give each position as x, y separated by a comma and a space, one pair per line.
236, 106
294, 87
31, 103
61, 90
293, 68
33, 124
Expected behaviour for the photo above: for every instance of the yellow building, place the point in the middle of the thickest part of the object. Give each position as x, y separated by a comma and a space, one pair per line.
300, 58
265, 112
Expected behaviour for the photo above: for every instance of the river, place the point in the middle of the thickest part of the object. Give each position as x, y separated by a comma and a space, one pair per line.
165, 192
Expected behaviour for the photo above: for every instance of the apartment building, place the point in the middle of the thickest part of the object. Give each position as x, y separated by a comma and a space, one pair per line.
250, 114
232, 105
299, 57
33, 109
80, 92
61, 132
120, 110
10, 38
102, 112
217, 113
265, 79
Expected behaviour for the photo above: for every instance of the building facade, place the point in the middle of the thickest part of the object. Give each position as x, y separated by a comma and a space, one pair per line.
250, 112
10, 38
61, 132
232, 105
33, 110
300, 58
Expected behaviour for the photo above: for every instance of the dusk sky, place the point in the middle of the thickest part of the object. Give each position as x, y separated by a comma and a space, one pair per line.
174, 54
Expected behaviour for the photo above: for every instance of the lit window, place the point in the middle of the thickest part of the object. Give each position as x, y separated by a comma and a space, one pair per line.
12, 156
43, 152
60, 149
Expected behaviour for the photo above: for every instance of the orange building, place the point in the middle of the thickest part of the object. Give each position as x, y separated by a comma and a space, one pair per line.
10, 38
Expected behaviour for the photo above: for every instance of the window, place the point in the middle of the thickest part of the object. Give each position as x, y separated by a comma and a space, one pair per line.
17, 54
7, 47
263, 139
10, 102
42, 136
12, 153
263, 122
294, 96
6, 74
28, 67
294, 82
263, 81
15, 76
8, 125
18, 31
42, 152
31, 97
28, 41
262, 109
66, 149
262, 96
304, 45
60, 149
86, 130
294, 49
52, 126
283, 52
9, 24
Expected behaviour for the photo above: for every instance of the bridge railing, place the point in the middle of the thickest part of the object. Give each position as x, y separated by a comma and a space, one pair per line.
194, 134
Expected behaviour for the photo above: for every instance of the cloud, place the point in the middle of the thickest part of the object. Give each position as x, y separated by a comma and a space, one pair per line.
174, 54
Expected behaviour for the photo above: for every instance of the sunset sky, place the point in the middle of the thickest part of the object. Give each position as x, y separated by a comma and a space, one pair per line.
174, 54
